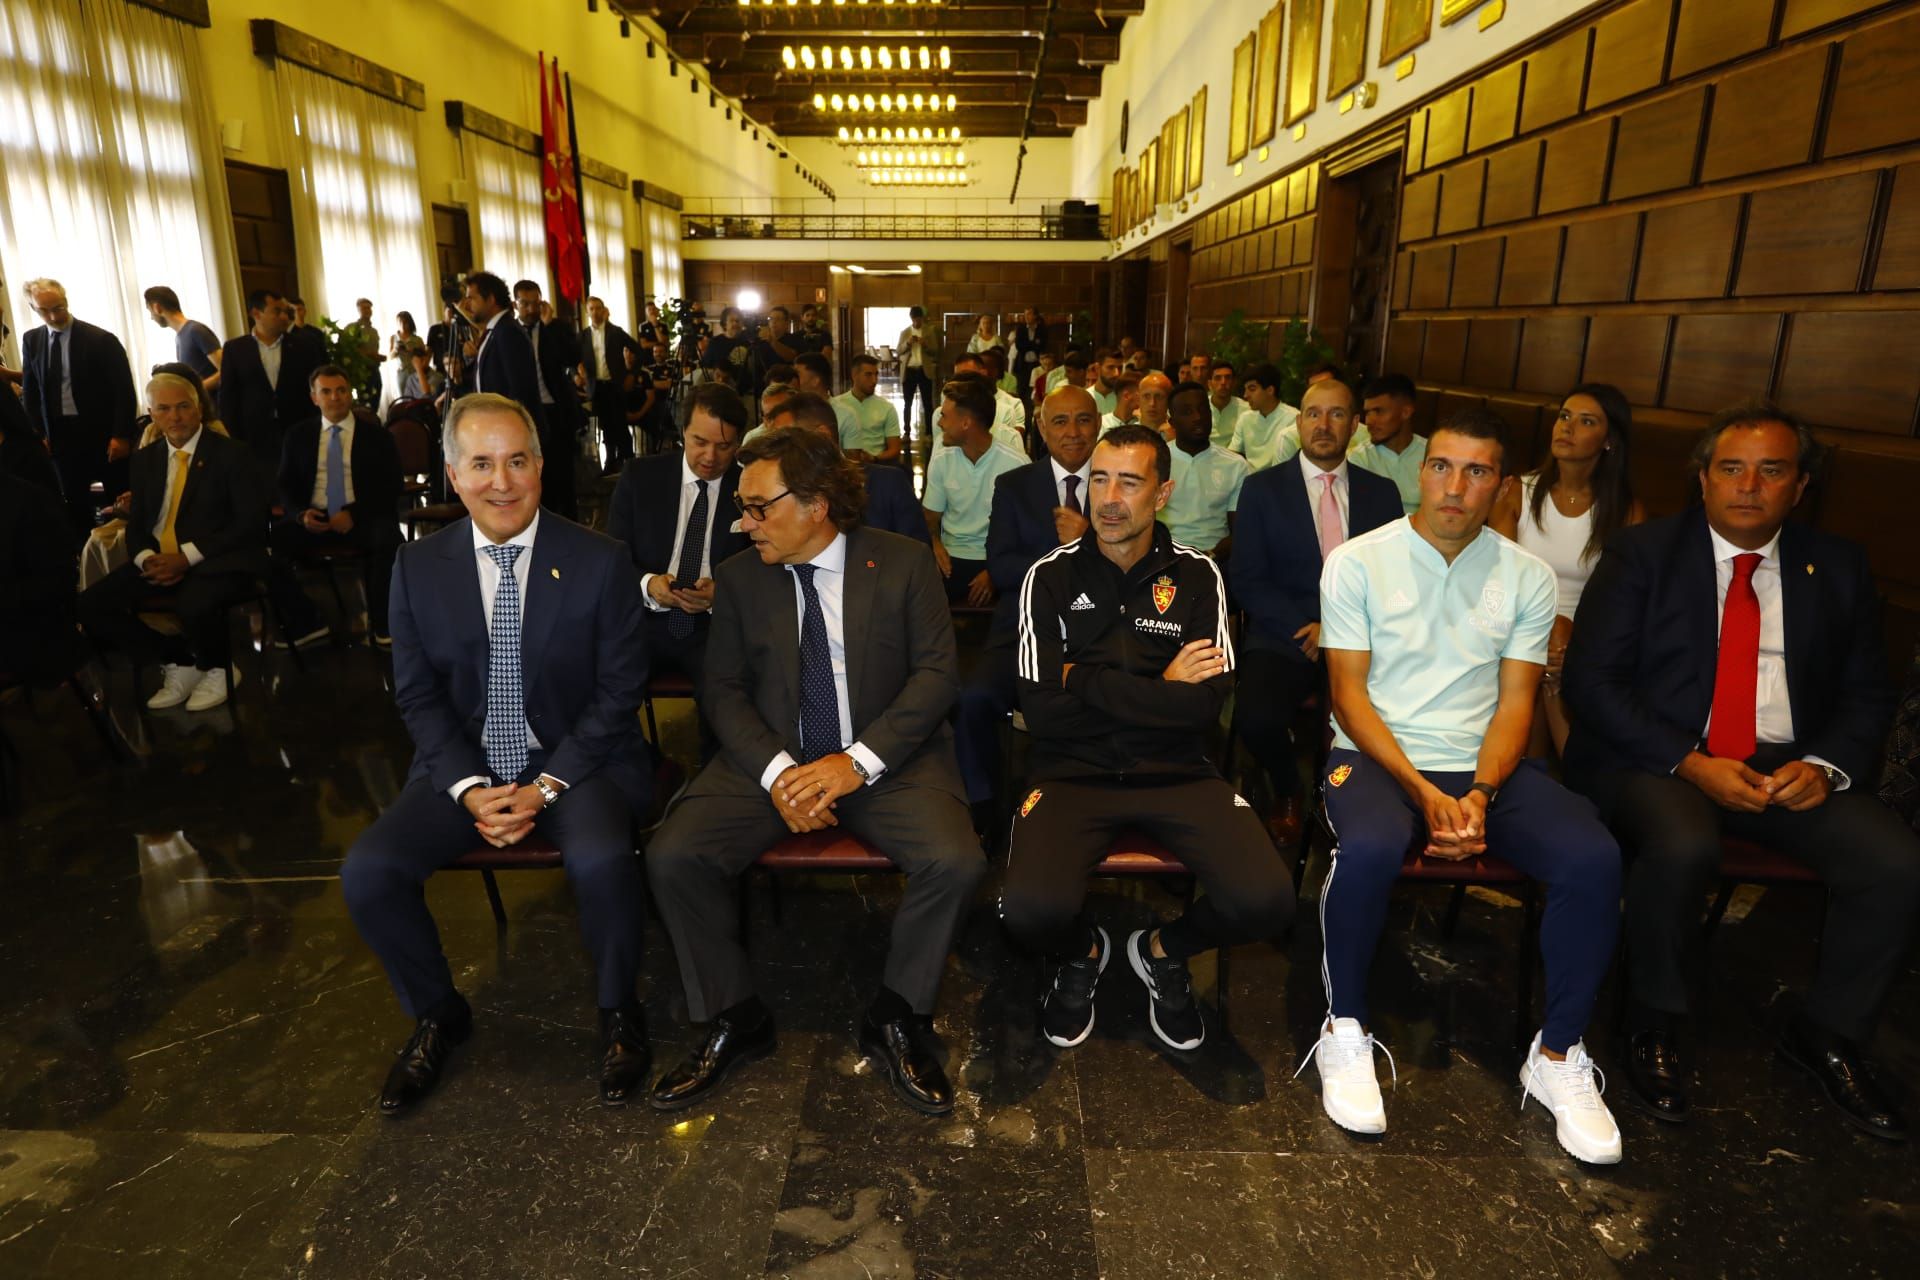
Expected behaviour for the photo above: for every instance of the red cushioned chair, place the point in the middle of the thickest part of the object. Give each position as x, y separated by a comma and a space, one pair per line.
1743, 862
535, 853
671, 684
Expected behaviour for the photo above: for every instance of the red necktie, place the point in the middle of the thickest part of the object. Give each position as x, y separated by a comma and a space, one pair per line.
1732, 732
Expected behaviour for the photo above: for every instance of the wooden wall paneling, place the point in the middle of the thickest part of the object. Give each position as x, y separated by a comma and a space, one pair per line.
1804, 15
1764, 117
1574, 173
1297, 193
1493, 348
1551, 349
1898, 266
1460, 190
1556, 79
1655, 145
1513, 181
1416, 142
1879, 491
1445, 353
1311, 176
1629, 51
1597, 265
1303, 247
1476, 273
1432, 273
1854, 369
1496, 107
1661, 474
1686, 250
1530, 267
1426, 403
1524, 431
1720, 360
1807, 238
1714, 31
1628, 351
1404, 338
1419, 203
1447, 126
1876, 95
1286, 250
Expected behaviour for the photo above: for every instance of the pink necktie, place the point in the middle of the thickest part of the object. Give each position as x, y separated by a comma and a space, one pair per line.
1331, 534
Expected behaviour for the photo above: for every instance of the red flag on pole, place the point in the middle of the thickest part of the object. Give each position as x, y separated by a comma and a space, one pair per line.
566, 236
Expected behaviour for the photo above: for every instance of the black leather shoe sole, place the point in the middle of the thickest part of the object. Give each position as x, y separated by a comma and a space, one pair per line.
627, 1091
1792, 1059
884, 1061
686, 1100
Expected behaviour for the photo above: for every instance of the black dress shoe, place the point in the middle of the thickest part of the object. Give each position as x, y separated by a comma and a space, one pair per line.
1837, 1067
1659, 1081
623, 1034
417, 1069
911, 1068
725, 1047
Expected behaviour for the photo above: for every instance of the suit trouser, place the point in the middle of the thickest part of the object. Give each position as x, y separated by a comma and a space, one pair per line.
985, 700
961, 579
109, 611
1268, 691
290, 540
1868, 858
80, 456
914, 382
385, 876
1065, 826
559, 446
698, 855
610, 411
1548, 832
688, 655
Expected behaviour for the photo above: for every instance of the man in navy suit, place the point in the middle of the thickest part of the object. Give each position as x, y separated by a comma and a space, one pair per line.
264, 377
78, 390
1291, 516
518, 663
503, 362
674, 512
1727, 674
556, 360
1036, 508
890, 502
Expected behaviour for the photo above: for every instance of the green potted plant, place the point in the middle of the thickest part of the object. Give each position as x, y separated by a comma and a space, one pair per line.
1301, 347
344, 349
1239, 341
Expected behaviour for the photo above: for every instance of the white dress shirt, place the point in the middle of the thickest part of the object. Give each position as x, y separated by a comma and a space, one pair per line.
318, 501
829, 583
187, 549
270, 359
909, 347
1310, 473
597, 335
486, 336
688, 495
1060, 475
489, 588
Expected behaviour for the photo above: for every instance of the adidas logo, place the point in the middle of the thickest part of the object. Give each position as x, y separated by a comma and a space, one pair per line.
1399, 601
1081, 603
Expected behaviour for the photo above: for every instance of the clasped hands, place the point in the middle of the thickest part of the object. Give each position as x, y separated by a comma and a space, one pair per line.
804, 795
504, 815
314, 520
165, 568
1456, 828
1797, 785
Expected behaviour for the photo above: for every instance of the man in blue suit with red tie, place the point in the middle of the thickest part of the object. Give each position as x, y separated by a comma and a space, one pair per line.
519, 659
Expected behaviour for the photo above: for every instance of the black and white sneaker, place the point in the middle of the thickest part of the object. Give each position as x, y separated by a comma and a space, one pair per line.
1066, 1011
1170, 1008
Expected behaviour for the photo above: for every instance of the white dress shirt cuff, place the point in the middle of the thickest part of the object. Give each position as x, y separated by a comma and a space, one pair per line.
1842, 782
775, 767
457, 789
140, 560
868, 761
192, 553
646, 594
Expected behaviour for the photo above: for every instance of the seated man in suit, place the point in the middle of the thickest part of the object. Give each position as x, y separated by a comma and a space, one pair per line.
959, 489
1726, 674
1035, 508
830, 672
518, 665
1435, 632
1206, 478
197, 537
672, 511
263, 377
1291, 518
37, 573
1124, 664
890, 502
340, 487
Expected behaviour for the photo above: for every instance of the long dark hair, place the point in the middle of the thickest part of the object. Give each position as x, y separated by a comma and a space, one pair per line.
1612, 474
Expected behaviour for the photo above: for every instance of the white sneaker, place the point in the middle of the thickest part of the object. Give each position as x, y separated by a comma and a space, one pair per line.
1571, 1090
1349, 1090
177, 683
210, 692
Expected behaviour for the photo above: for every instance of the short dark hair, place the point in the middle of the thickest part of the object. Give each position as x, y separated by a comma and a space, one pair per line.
1754, 413
1129, 434
1476, 423
780, 311
816, 364
717, 400
162, 296
1397, 385
814, 470
916, 313
1103, 354
1319, 367
1217, 365
295, 299
967, 357
526, 286
490, 287
1076, 359
728, 311
327, 371
972, 395
1264, 374
257, 299
995, 358
1186, 387
863, 358
806, 409
776, 372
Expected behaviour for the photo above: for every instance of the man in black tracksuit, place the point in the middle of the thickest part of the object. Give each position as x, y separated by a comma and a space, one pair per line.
1124, 663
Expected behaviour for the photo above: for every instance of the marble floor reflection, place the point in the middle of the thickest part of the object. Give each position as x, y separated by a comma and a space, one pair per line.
193, 1037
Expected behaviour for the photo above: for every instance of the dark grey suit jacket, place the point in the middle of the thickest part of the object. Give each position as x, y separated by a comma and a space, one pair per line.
903, 675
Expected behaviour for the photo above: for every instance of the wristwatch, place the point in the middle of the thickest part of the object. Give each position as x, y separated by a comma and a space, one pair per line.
547, 793
860, 769
1834, 776
1486, 789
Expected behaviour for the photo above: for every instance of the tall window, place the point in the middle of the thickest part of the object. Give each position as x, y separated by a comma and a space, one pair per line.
606, 218
358, 206
513, 229
663, 251
110, 177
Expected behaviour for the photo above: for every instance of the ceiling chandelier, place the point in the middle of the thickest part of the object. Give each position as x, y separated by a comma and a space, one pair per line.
918, 177
912, 133
886, 102
870, 57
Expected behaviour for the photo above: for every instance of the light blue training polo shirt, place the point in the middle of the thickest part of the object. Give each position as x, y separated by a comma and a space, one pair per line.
1437, 633
962, 492
865, 424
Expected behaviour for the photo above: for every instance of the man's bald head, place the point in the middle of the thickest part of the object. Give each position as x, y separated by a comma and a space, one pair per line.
1070, 424
1155, 388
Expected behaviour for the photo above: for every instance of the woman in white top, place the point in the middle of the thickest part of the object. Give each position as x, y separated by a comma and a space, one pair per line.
1564, 512
984, 336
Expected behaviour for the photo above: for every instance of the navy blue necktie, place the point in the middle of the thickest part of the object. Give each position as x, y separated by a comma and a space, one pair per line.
819, 706
680, 622
505, 733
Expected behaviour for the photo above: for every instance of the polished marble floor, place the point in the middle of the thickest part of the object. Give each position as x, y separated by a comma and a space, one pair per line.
193, 1036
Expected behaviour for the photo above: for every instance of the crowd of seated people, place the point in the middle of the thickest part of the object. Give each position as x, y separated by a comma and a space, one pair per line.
1524, 667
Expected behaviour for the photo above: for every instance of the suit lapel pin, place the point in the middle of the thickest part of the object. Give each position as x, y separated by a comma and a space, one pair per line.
1809, 571
871, 565
555, 572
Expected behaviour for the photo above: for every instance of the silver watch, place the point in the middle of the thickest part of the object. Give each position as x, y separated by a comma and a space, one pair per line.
547, 793
860, 769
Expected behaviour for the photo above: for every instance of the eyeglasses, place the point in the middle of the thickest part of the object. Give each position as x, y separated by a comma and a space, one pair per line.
757, 511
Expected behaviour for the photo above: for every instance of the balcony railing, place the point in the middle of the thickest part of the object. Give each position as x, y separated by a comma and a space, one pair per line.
1065, 220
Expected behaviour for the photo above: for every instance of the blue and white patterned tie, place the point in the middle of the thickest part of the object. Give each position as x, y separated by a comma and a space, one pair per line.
505, 734
819, 706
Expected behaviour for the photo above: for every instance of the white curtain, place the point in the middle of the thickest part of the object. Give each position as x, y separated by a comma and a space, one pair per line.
513, 229
111, 177
359, 215
663, 251
606, 218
